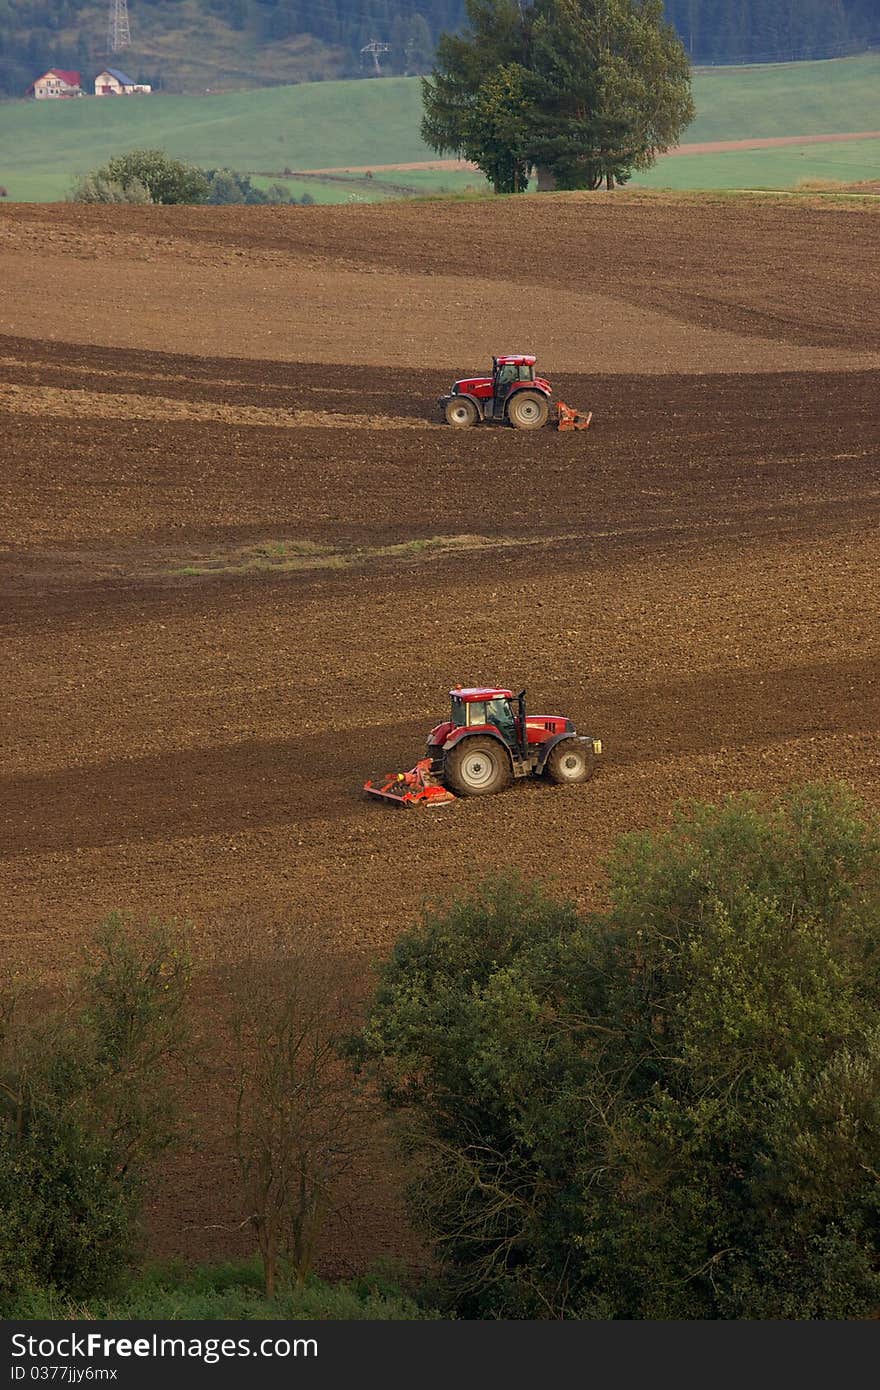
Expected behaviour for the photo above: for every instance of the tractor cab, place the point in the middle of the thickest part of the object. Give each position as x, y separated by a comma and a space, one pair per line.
498, 712
507, 370
489, 708
507, 374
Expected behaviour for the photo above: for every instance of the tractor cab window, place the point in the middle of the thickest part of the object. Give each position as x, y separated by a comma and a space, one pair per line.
499, 713
507, 375
459, 712
526, 373
476, 712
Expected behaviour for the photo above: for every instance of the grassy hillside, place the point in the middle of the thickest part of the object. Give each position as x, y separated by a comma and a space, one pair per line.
338, 124
785, 167
837, 95
316, 125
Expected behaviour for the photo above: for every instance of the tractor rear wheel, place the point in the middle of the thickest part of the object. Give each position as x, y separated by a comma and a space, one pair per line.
570, 761
528, 411
460, 412
477, 767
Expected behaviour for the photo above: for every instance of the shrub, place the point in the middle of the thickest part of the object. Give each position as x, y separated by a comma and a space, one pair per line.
151, 176
671, 1110
225, 186
98, 188
85, 1103
164, 179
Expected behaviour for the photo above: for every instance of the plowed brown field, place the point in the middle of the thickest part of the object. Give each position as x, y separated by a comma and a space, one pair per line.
220, 470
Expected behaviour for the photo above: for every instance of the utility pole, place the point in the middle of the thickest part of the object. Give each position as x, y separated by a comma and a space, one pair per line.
375, 48
118, 28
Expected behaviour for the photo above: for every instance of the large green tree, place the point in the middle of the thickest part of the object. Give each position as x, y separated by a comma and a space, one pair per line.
670, 1110
584, 90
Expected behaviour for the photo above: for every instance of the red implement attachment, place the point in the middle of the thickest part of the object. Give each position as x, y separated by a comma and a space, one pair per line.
414, 788
569, 419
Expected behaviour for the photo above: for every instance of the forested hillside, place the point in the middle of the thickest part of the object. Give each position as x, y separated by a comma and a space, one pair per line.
773, 31
188, 45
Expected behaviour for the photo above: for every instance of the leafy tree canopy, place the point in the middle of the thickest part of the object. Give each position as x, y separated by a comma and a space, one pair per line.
671, 1110
586, 90
166, 180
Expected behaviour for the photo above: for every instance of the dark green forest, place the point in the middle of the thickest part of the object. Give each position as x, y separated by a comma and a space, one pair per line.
36, 34
773, 31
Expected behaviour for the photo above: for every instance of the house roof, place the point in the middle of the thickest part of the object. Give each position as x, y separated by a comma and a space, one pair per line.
71, 78
122, 78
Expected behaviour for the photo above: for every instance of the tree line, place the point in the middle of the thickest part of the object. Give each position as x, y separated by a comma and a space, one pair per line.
713, 31
668, 1108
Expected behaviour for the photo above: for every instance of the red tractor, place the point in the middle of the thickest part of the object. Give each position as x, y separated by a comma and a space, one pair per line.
488, 741
511, 395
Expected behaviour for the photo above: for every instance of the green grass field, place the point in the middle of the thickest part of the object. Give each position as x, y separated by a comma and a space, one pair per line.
44, 145
780, 168
838, 95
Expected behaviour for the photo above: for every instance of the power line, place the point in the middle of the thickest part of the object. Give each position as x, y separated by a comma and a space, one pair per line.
118, 27
374, 47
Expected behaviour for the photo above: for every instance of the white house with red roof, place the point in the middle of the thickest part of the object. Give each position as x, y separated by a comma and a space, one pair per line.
57, 82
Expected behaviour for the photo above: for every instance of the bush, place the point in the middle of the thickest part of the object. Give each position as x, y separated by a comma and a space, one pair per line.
225, 187
85, 1104
278, 194
98, 188
164, 179
668, 1111
151, 176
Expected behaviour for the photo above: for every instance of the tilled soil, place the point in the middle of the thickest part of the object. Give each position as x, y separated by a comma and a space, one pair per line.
239, 583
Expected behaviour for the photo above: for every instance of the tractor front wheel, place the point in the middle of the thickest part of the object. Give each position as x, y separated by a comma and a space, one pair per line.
460, 412
570, 761
477, 767
528, 411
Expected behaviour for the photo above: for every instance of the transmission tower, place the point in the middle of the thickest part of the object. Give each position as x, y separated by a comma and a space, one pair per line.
118, 29
375, 48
